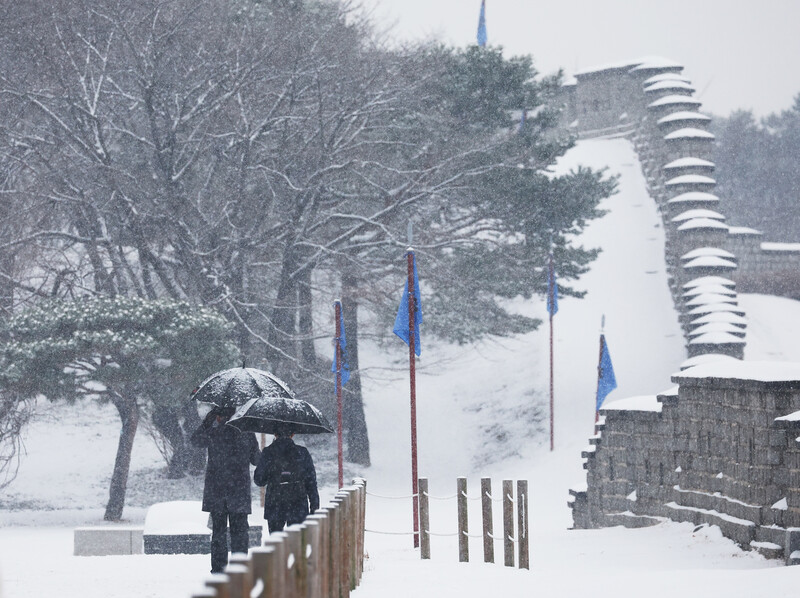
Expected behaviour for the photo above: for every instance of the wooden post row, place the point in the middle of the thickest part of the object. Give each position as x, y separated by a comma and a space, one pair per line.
522, 524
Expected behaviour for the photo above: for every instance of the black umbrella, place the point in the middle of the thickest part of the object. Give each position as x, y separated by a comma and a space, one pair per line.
229, 389
270, 415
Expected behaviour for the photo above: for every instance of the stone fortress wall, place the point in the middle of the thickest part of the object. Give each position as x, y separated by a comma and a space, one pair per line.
723, 448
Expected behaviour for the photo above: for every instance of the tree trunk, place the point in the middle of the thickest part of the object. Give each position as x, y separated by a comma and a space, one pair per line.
305, 321
129, 414
355, 424
284, 318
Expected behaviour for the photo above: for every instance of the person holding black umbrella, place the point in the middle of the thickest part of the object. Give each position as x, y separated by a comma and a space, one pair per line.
226, 494
287, 471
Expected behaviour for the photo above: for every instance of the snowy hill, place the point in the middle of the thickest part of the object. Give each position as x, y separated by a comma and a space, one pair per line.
482, 411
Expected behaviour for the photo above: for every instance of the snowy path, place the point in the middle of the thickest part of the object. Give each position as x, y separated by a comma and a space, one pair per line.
477, 417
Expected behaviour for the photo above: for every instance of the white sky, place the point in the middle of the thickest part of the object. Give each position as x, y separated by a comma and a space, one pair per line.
738, 53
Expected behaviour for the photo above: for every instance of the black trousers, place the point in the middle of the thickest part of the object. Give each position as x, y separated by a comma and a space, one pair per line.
219, 537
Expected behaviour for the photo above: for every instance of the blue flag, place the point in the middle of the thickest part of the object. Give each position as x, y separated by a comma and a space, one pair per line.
552, 291
401, 324
482, 39
606, 382
345, 365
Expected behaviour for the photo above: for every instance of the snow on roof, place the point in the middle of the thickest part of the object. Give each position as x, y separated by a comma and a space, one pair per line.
709, 261
709, 280
640, 403
688, 163
674, 99
696, 223
694, 196
670, 392
703, 251
743, 230
666, 77
626, 64
698, 213
720, 316
717, 327
717, 338
682, 115
691, 179
705, 298
715, 307
661, 85
706, 358
762, 371
689, 133
569, 82
780, 246
709, 288
794, 416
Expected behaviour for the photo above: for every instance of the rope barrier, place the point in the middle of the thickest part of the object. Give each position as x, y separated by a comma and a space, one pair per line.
441, 497
374, 531
392, 497
493, 499
430, 533
464, 494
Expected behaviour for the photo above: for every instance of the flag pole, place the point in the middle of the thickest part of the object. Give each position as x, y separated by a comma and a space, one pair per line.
551, 291
337, 305
413, 388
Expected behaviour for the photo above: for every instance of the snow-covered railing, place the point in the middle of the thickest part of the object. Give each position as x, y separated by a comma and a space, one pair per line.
323, 557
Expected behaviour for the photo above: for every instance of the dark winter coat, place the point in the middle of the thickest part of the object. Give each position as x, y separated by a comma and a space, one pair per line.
267, 473
230, 453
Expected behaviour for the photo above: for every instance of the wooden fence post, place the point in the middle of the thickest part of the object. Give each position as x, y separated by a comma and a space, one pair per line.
237, 580
463, 523
424, 520
279, 576
311, 548
320, 517
522, 524
263, 566
335, 522
488, 524
508, 523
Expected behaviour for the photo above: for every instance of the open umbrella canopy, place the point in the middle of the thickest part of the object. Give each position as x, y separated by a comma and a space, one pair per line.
270, 415
232, 388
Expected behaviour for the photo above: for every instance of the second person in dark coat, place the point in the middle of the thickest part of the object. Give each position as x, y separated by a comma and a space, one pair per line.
288, 473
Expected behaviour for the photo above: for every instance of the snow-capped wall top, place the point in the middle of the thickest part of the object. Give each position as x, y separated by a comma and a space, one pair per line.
709, 261
677, 85
666, 77
743, 230
641, 403
717, 338
698, 213
696, 282
780, 246
683, 115
694, 196
697, 223
717, 327
690, 179
689, 133
703, 251
688, 163
720, 316
715, 307
674, 99
708, 288
762, 371
706, 298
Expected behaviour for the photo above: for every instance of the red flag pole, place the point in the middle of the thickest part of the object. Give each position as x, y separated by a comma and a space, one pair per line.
338, 309
412, 308
550, 291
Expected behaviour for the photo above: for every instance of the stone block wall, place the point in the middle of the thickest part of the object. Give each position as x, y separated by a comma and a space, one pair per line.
724, 450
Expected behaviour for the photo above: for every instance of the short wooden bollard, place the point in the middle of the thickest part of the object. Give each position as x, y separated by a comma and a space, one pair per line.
508, 523
263, 566
463, 523
424, 520
322, 559
311, 547
522, 524
294, 563
219, 584
237, 581
488, 525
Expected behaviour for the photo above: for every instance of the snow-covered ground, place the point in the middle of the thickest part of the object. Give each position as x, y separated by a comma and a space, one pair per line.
482, 412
